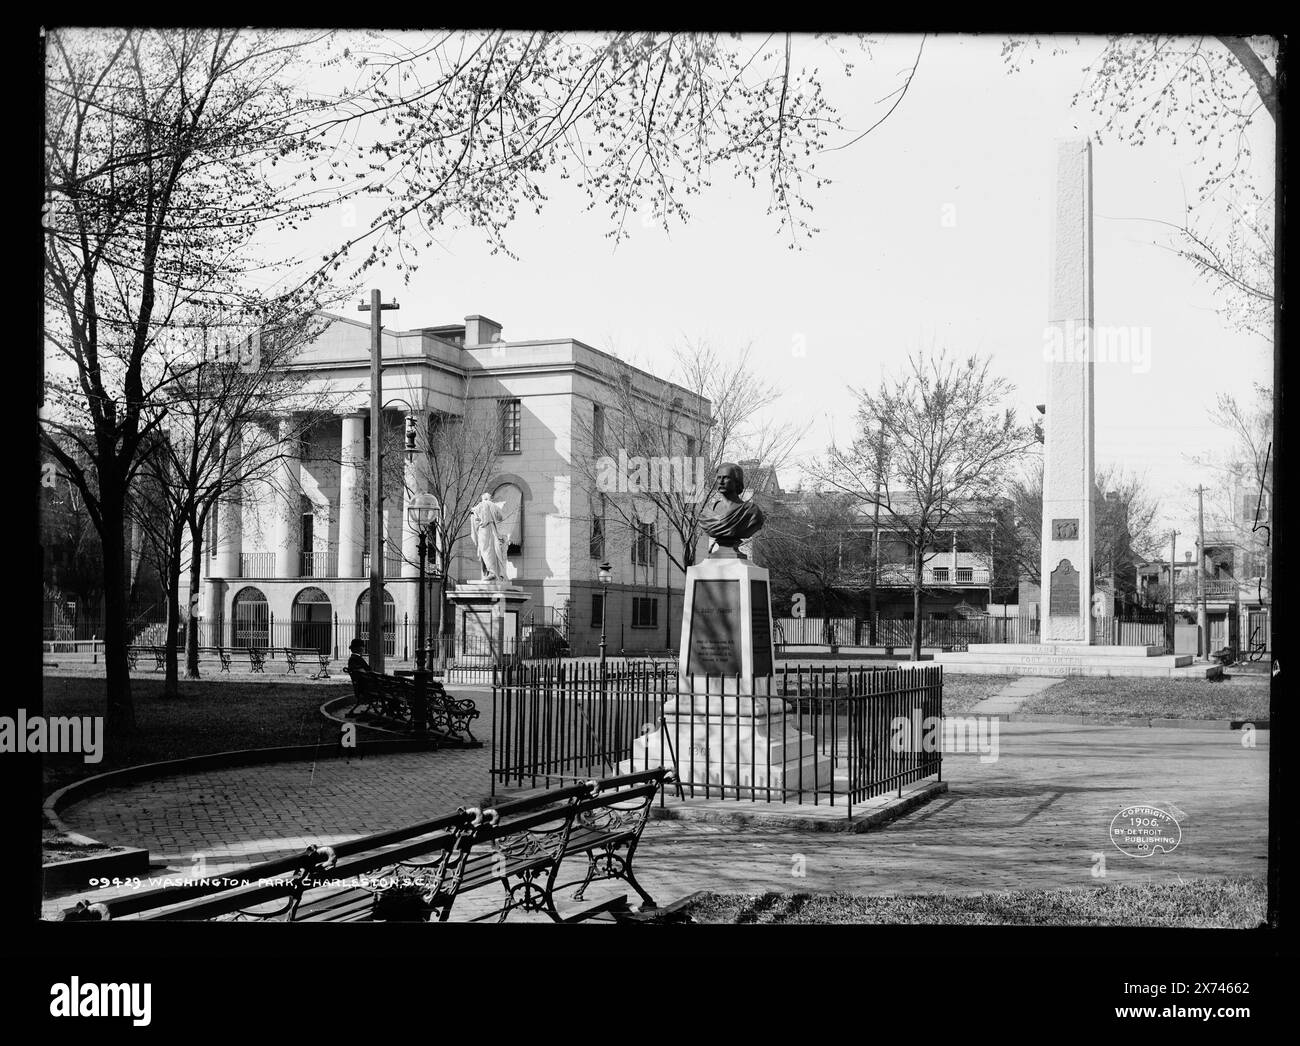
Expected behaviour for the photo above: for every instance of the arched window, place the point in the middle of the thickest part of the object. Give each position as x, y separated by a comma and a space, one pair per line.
390, 622
311, 616
513, 499
251, 619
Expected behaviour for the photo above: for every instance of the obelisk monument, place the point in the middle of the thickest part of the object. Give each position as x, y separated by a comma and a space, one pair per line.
1067, 541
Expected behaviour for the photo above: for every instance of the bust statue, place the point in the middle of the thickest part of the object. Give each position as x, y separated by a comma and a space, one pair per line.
725, 518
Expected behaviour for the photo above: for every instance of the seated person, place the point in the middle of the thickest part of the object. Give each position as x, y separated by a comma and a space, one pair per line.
356, 664
355, 660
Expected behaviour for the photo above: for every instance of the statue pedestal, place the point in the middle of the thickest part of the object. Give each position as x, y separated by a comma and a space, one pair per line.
487, 621
724, 729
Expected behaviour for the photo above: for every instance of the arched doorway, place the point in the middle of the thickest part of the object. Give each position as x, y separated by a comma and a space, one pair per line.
250, 619
311, 617
390, 622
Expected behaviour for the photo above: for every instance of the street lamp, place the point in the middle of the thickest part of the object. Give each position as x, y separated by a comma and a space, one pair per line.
605, 578
420, 514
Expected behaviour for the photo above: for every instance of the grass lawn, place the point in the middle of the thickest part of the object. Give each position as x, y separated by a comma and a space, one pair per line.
1225, 903
962, 693
215, 715
1152, 698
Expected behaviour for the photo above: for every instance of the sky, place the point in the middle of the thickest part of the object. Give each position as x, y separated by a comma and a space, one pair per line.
934, 233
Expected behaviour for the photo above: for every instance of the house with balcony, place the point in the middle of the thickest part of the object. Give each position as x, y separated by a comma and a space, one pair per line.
1233, 575
294, 550
849, 549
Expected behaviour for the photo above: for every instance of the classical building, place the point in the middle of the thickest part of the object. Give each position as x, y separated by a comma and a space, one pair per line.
289, 555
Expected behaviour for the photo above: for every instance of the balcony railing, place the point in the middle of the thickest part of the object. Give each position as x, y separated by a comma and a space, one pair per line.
899, 575
257, 564
311, 565
1215, 588
392, 564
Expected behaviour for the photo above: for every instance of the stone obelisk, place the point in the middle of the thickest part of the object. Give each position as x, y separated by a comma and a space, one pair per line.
1067, 543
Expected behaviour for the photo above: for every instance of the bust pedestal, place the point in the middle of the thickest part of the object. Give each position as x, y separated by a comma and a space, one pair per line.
487, 621
725, 727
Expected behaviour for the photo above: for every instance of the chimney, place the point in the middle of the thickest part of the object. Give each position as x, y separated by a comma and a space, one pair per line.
479, 331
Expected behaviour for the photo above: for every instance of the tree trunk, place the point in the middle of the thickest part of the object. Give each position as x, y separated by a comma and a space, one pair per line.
918, 574
170, 688
439, 621
117, 632
196, 585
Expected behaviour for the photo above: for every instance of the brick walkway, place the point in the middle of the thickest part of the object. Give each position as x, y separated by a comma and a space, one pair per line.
1035, 818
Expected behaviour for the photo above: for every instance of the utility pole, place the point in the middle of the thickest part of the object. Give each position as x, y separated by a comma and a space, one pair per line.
1173, 591
376, 310
1202, 615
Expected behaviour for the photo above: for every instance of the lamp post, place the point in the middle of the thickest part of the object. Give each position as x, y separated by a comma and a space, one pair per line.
605, 578
422, 511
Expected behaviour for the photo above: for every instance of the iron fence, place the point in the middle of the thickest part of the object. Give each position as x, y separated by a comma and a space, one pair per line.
838, 727
897, 632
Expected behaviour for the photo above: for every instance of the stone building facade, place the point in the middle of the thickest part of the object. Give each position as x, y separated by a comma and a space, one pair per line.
289, 554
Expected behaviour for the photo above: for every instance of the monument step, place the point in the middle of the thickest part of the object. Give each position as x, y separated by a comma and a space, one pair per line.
1072, 649
1075, 658
1100, 669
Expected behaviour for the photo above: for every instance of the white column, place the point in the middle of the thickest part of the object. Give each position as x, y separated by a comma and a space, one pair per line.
288, 521
352, 485
1068, 454
230, 522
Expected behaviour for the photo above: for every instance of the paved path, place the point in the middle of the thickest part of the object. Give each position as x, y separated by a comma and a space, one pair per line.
1013, 695
1035, 818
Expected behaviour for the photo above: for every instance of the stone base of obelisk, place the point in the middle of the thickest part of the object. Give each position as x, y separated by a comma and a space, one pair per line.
723, 731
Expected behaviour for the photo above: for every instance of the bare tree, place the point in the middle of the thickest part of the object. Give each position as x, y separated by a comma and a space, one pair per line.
674, 434
1210, 90
815, 543
232, 381
1241, 501
931, 449
158, 146
169, 153
1125, 514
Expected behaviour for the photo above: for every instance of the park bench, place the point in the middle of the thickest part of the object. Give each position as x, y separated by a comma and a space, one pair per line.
221, 654
655, 656
158, 653
390, 697
418, 872
256, 658
292, 655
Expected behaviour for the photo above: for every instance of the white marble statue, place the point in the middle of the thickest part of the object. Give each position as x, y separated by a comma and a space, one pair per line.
491, 537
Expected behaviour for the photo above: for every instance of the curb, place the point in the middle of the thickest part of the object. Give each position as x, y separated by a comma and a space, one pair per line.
1091, 719
895, 809
76, 873
80, 791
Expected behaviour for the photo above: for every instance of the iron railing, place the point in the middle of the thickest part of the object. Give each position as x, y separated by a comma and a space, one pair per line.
554, 722
257, 564
392, 563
